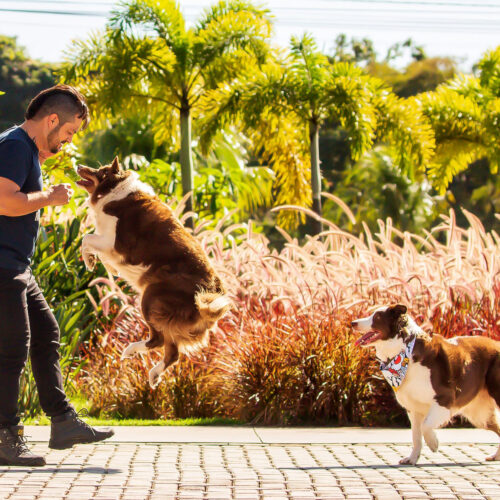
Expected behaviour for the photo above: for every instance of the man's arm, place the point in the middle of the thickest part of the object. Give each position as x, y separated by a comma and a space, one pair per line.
14, 203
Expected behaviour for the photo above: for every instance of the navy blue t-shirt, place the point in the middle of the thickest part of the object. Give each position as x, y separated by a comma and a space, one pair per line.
19, 163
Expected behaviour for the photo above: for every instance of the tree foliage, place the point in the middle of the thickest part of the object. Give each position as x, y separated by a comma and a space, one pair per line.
304, 89
21, 78
147, 60
465, 117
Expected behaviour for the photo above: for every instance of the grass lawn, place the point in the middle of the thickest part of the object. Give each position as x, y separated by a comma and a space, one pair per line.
80, 403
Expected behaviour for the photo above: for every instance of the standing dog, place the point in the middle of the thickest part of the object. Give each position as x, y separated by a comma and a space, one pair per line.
435, 378
138, 237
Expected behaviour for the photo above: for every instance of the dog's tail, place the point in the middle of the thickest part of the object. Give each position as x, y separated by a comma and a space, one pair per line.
212, 306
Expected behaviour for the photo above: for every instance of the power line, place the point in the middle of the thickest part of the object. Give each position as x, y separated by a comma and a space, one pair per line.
57, 12
65, 2
430, 3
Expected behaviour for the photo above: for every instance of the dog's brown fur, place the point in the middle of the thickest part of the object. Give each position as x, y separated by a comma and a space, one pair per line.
181, 295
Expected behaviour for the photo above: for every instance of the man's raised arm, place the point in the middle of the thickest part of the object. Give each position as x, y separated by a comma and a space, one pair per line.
13, 203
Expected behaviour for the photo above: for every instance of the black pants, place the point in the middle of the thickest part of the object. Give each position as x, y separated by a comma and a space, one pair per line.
28, 325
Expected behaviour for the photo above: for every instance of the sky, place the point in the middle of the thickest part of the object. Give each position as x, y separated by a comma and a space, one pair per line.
457, 28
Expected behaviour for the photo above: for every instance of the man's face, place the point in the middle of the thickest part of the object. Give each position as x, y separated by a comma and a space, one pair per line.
61, 134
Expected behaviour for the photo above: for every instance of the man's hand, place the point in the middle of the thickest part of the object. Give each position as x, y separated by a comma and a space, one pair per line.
60, 194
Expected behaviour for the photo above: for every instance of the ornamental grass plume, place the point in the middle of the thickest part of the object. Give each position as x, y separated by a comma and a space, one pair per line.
285, 353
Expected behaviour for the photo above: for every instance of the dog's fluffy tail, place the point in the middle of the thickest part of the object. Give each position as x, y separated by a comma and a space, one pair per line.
212, 305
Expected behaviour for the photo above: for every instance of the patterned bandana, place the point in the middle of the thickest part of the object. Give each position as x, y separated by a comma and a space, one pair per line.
395, 370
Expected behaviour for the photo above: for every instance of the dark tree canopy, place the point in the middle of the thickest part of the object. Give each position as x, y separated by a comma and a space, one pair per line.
21, 78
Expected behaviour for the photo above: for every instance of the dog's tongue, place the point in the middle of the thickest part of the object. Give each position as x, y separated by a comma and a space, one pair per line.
367, 338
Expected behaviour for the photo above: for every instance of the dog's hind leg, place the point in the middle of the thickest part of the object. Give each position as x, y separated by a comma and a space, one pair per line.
155, 340
416, 420
134, 348
171, 356
494, 425
493, 388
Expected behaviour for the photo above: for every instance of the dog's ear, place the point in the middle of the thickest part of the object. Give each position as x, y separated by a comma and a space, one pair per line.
398, 310
115, 166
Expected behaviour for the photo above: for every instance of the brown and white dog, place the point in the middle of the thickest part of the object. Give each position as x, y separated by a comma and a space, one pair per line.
138, 237
435, 378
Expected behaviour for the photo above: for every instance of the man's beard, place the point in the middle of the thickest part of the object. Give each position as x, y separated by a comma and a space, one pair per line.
53, 142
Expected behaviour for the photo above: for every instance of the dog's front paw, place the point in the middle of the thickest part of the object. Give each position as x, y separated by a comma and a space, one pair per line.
495, 456
411, 460
431, 440
90, 261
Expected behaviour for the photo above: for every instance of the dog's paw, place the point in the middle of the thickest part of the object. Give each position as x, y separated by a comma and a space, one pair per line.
494, 457
133, 349
155, 374
431, 440
129, 352
411, 460
90, 261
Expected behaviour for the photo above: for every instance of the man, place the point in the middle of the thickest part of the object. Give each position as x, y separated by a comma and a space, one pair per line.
26, 322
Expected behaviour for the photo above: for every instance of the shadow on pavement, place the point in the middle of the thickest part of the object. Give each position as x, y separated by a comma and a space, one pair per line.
387, 466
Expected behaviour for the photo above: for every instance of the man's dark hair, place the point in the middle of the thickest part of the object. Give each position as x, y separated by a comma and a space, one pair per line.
63, 100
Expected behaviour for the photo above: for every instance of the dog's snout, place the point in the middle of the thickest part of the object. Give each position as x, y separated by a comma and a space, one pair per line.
354, 323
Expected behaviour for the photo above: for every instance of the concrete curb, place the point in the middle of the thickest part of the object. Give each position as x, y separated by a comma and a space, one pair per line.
273, 435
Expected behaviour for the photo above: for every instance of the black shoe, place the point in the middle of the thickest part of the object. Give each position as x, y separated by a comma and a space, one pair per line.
13, 449
68, 429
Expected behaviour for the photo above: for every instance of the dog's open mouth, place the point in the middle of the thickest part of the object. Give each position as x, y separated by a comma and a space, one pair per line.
368, 338
85, 181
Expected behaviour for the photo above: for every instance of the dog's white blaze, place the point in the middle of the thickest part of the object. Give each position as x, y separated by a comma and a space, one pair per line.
365, 324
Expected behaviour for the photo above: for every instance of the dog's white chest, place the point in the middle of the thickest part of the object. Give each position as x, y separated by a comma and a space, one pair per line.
416, 392
106, 226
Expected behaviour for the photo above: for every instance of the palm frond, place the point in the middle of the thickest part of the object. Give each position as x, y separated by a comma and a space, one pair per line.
230, 26
453, 157
489, 67
162, 17
401, 124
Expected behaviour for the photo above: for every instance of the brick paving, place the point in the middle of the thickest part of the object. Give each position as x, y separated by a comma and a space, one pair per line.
141, 470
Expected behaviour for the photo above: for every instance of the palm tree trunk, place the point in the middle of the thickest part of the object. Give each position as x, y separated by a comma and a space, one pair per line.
316, 225
186, 159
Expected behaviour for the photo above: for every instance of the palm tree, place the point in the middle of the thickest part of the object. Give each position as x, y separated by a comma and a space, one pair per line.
465, 117
305, 89
147, 60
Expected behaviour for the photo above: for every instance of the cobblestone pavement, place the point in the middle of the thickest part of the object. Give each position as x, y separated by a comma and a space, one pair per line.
254, 471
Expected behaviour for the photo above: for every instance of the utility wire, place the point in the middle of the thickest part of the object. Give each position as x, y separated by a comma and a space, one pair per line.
57, 12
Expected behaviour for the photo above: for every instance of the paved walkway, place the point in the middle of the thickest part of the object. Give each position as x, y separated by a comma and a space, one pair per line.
258, 463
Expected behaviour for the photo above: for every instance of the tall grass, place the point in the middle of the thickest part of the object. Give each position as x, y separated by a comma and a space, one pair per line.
285, 353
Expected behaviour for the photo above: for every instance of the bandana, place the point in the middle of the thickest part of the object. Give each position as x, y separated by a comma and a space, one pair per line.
395, 370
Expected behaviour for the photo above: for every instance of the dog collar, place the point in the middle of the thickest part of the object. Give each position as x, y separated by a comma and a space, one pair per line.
395, 370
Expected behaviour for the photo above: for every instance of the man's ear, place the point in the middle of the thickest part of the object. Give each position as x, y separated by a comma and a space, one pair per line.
52, 120
115, 166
